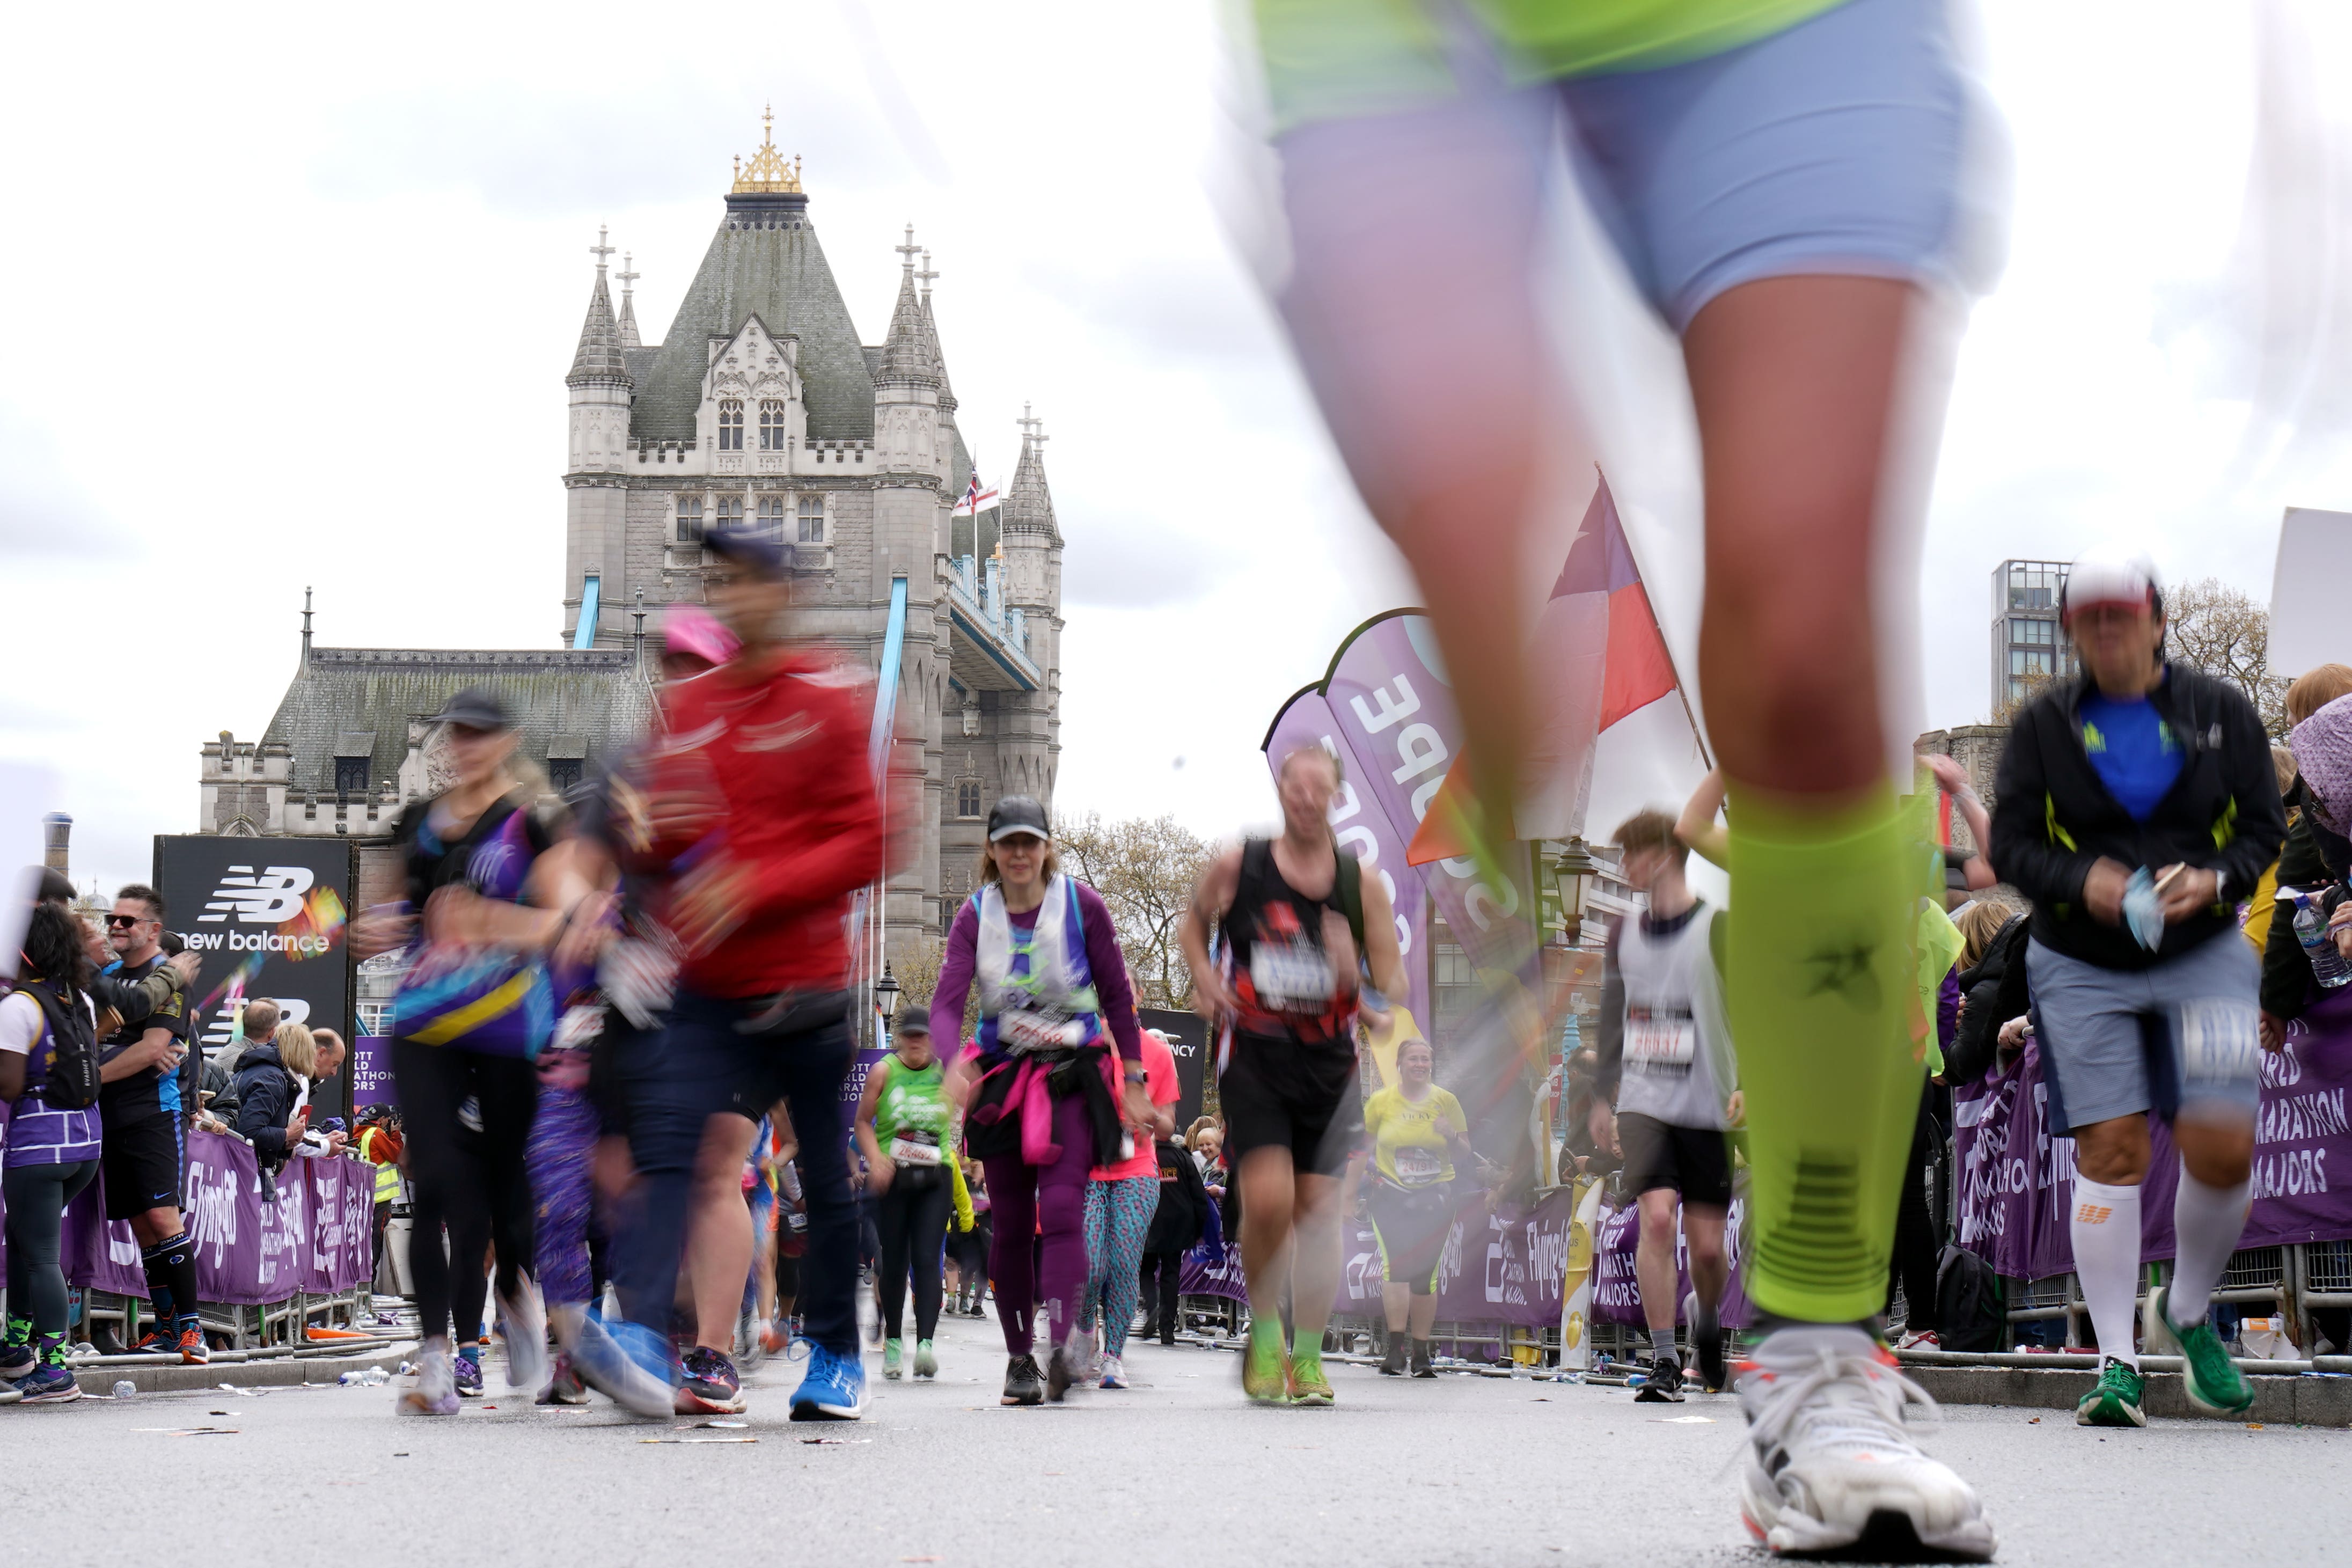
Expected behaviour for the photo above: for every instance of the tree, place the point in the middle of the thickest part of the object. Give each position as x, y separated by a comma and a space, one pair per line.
2224, 632
1145, 871
917, 971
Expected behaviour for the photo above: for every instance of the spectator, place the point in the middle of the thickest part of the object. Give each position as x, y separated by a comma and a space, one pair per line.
379, 1145
270, 1115
52, 1153
2312, 856
332, 1056
255, 1026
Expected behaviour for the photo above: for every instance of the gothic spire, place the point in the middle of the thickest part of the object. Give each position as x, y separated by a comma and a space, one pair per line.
628, 275
909, 353
1028, 499
931, 331
598, 355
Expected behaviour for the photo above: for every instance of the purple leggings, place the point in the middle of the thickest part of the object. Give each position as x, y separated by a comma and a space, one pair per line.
1039, 1251
561, 1152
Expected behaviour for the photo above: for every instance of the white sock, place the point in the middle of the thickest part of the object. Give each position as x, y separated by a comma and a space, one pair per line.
2207, 1223
2105, 1232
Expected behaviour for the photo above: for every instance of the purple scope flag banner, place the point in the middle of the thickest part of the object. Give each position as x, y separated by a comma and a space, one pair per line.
1504, 1263
252, 1250
2016, 1172
1361, 823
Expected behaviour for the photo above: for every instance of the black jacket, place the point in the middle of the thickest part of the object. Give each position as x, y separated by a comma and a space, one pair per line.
1182, 1216
2313, 857
1994, 991
2055, 816
265, 1102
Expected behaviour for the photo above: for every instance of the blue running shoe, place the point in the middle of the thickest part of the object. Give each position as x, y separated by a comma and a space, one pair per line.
51, 1384
628, 1365
834, 1390
17, 1361
468, 1376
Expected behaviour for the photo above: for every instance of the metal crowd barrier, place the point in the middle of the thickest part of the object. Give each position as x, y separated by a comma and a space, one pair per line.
2289, 1281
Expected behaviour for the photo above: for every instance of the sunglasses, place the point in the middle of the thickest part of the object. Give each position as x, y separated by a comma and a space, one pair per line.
125, 919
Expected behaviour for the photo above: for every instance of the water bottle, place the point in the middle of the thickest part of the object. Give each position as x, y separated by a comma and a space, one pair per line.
2310, 929
124, 1388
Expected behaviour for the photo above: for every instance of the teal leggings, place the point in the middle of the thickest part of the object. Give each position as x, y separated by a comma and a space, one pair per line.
1119, 1217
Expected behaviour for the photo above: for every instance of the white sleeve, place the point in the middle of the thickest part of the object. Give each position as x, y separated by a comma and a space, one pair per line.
20, 1023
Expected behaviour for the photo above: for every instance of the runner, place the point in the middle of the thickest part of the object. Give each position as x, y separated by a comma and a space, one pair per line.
1665, 1094
1040, 1111
762, 811
488, 902
907, 1130
1121, 1197
2136, 804
972, 1244
144, 1154
1415, 1130
52, 1153
1785, 181
1292, 913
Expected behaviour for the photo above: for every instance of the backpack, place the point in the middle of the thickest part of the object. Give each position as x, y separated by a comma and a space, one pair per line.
1968, 1299
70, 1082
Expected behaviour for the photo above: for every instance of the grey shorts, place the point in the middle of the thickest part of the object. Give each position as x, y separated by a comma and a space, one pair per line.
2183, 1033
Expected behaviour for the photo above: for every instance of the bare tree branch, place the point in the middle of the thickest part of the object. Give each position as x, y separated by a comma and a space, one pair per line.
2226, 633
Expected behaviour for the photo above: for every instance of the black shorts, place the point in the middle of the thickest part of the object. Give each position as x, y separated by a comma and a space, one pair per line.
1693, 1160
142, 1163
1411, 1223
1285, 1094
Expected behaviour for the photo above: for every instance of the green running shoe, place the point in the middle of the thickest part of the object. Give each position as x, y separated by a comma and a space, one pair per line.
927, 1361
2115, 1402
1307, 1383
1264, 1374
893, 1357
2210, 1378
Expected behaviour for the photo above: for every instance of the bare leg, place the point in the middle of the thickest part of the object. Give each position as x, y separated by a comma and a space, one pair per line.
1653, 1257
1268, 1194
720, 1227
1316, 1266
1396, 1304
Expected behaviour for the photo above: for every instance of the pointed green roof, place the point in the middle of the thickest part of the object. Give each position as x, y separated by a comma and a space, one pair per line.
764, 260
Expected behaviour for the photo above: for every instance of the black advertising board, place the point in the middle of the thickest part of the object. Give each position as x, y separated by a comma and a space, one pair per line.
269, 917
1188, 1041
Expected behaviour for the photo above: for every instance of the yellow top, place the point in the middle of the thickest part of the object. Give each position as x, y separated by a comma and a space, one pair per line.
1409, 1141
767, 173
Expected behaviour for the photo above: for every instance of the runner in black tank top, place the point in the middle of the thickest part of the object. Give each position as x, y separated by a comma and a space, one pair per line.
1285, 990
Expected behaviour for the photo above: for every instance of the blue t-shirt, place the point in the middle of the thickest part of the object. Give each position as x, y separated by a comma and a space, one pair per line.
2135, 750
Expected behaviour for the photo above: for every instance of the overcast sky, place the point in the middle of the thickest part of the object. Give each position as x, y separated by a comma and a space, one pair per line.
291, 294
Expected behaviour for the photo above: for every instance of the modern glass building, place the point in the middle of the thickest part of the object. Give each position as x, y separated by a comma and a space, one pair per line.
2028, 645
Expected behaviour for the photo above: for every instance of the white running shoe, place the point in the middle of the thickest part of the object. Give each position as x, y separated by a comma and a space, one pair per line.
1830, 1464
1114, 1372
435, 1392
522, 1320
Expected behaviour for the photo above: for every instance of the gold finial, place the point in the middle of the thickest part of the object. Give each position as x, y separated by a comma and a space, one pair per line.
768, 173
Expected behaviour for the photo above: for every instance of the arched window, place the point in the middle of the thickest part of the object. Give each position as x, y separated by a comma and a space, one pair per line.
689, 519
730, 425
730, 512
812, 520
968, 797
771, 517
772, 424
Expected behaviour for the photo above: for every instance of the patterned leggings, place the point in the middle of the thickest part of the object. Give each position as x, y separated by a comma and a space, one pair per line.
1119, 1217
562, 1147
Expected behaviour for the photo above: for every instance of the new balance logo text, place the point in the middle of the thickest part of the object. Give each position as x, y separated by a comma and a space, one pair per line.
270, 897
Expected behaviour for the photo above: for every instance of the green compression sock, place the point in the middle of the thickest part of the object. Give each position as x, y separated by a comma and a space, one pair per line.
1820, 984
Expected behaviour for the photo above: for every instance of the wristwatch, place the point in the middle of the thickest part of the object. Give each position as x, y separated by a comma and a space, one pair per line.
1134, 1073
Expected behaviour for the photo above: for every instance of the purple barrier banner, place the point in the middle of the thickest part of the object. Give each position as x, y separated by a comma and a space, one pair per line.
2016, 1172
372, 1072
316, 1236
1617, 1289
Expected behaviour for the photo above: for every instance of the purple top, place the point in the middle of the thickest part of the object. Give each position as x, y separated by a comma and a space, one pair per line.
1103, 957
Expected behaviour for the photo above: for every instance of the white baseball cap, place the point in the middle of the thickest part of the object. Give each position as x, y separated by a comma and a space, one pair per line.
2111, 575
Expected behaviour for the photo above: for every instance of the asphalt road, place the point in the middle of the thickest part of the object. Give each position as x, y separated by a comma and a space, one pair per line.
1179, 1472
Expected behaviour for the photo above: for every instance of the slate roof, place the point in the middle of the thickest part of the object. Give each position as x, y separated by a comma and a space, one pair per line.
1028, 501
583, 702
908, 354
764, 259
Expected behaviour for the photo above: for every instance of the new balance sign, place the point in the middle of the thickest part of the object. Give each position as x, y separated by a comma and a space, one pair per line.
270, 897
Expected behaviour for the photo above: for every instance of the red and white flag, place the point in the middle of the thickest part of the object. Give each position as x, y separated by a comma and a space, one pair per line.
975, 499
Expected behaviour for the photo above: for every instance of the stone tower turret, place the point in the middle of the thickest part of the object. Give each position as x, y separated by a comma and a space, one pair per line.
1030, 739
596, 513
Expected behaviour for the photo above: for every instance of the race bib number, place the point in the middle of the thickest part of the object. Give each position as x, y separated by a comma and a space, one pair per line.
1022, 1031
1292, 976
2220, 1041
906, 1150
1418, 1167
578, 1028
1660, 1039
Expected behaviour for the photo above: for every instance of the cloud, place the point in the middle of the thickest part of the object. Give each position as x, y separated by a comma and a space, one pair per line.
1132, 561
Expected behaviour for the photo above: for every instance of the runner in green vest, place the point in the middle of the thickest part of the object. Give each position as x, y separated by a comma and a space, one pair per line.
907, 1128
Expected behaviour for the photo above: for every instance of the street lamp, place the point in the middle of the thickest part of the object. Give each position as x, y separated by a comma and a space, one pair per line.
1573, 873
886, 1001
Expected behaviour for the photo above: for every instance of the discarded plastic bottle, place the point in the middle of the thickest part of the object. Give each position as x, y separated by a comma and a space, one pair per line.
124, 1388
2310, 929
365, 1377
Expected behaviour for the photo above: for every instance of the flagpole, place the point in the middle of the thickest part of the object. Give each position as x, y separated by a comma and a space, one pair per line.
1697, 735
